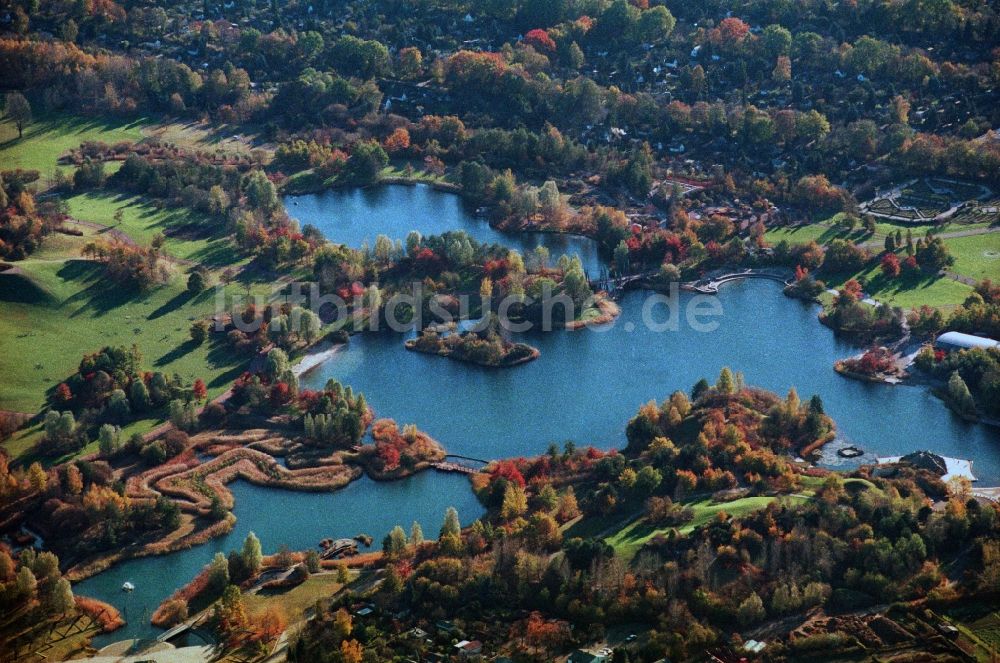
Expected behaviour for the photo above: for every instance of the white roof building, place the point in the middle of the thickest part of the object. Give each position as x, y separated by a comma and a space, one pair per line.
954, 340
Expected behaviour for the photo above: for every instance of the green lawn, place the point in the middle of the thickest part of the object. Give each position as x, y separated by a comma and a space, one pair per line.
189, 235
826, 230
976, 256
296, 601
628, 540
59, 310
821, 233
48, 137
419, 174
906, 291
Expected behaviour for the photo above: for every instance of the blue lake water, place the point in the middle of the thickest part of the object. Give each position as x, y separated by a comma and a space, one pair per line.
355, 216
584, 387
588, 383
283, 517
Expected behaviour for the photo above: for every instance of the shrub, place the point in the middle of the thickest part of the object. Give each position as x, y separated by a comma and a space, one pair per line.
174, 442
213, 414
199, 331
153, 454
172, 612
196, 282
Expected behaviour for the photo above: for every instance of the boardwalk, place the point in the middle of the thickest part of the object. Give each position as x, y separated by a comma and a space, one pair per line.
991, 493
615, 286
446, 466
711, 286
186, 625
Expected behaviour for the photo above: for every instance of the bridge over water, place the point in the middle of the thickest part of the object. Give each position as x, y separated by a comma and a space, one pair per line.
710, 286
461, 464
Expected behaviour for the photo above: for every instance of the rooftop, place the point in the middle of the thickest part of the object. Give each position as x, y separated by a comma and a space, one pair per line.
967, 341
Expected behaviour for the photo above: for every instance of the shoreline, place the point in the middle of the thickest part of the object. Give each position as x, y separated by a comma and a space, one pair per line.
609, 310
315, 356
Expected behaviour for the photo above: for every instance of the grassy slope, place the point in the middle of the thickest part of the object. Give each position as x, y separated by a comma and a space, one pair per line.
628, 540
295, 602
142, 220
977, 256
47, 138
82, 312
59, 307
909, 293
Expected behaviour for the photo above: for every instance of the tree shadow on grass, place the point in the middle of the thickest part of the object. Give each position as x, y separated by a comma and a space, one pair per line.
220, 354
181, 350
881, 285
99, 295
177, 301
218, 253
20, 289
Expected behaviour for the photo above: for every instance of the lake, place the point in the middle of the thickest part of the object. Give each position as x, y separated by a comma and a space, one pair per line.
283, 517
355, 216
588, 383
584, 387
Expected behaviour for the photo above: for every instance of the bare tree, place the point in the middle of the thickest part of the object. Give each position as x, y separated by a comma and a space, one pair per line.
18, 110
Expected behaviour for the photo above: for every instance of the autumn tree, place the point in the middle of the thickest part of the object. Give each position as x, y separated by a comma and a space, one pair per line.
394, 543
37, 477
416, 534
452, 526
751, 610
60, 599
351, 651
890, 265
567, 508
218, 573
782, 72
251, 554
726, 383
74, 480
230, 616
515, 502
269, 623
410, 61
397, 141
25, 583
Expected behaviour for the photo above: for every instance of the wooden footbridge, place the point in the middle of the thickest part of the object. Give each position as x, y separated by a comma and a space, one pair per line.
460, 464
187, 625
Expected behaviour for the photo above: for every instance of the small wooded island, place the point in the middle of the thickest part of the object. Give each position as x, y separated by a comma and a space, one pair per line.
484, 346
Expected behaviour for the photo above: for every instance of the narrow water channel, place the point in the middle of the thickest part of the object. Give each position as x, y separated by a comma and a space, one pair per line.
283, 517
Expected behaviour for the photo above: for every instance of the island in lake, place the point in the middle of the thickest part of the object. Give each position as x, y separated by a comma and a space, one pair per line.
485, 345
